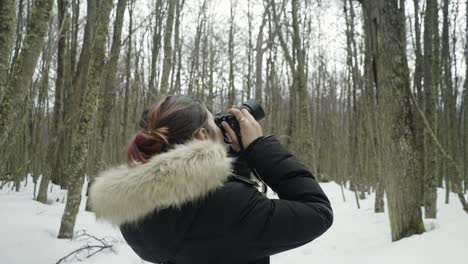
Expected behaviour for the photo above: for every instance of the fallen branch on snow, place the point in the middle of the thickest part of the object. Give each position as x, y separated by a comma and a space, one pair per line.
93, 246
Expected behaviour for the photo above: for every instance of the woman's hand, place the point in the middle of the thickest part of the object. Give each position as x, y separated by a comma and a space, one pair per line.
250, 129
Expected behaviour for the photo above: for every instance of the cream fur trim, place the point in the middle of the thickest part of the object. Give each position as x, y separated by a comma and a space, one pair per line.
188, 172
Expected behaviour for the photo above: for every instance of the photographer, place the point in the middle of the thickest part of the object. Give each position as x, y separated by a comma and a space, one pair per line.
184, 198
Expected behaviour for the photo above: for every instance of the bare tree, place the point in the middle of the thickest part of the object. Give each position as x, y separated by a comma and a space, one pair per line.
128, 81
299, 130
7, 20
57, 125
23, 69
177, 54
157, 31
167, 64
392, 81
430, 84
100, 16
106, 108
465, 105
193, 78
232, 88
418, 77
259, 57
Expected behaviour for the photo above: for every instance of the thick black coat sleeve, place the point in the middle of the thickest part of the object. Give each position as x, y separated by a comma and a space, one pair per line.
239, 166
268, 226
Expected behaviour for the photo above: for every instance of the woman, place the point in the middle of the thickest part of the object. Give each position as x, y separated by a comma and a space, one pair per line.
185, 199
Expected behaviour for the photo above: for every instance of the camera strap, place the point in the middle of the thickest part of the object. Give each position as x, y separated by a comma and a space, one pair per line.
264, 185
255, 173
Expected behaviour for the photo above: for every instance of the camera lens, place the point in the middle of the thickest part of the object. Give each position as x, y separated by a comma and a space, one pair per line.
255, 109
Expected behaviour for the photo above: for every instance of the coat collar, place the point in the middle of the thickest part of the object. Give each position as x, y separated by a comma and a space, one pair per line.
185, 173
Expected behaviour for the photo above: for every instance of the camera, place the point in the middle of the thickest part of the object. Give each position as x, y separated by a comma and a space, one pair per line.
254, 108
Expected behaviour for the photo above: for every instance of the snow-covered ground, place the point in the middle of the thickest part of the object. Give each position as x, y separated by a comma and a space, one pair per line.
29, 230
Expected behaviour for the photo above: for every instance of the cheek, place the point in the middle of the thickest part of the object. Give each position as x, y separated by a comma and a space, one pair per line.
218, 133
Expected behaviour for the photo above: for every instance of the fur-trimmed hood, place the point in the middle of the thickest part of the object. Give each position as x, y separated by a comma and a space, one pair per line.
185, 173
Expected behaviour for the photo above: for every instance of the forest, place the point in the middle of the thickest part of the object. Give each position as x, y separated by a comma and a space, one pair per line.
370, 94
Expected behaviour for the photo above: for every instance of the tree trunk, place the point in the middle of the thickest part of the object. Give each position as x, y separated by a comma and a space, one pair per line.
19, 30
300, 138
195, 53
23, 70
128, 61
249, 52
419, 126
303, 139
393, 82
155, 49
259, 59
354, 85
7, 24
232, 89
110, 84
52, 152
371, 108
175, 83
74, 33
86, 113
167, 64
465, 105
450, 98
212, 70
430, 73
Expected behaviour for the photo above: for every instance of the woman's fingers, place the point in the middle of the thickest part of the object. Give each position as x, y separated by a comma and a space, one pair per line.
247, 115
250, 129
231, 133
229, 130
237, 113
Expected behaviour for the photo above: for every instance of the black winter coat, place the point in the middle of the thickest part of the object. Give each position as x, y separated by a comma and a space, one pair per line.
189, 205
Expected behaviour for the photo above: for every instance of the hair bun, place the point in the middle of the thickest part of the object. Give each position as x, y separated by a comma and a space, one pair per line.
148, 143
160, 134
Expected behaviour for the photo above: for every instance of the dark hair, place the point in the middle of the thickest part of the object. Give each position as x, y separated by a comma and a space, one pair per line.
173, 120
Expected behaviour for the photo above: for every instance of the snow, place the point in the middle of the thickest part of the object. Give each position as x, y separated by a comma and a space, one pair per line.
29, 230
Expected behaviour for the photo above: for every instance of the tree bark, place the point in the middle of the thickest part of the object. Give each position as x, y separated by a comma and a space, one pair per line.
177, 56
87, 112
23, 70
195, 53
418, 77
450, 98
155, 49
232, 89
303, 139
430, 73
392, 78
109, 85
7, 24
299, 134
212, 69
259, 58
167, 64
372, 106
21, 18
57, 126
465, 105
354, 85
128, 81
248, 75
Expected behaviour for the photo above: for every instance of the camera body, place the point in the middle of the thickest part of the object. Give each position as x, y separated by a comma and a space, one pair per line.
254, 108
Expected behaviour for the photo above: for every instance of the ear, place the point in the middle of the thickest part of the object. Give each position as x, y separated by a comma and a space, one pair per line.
202, 134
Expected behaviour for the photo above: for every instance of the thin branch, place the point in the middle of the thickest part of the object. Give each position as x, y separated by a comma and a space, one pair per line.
88, 247
444, 153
